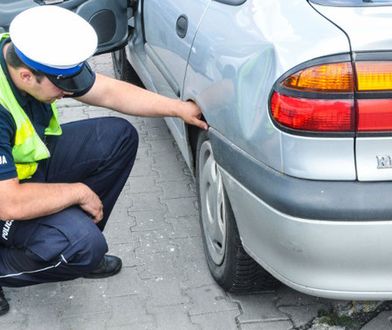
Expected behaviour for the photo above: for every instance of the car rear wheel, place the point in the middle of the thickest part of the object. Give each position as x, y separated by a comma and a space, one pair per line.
232, 268
123, 70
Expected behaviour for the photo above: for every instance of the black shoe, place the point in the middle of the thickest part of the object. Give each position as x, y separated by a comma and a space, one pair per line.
4, 306
109, 266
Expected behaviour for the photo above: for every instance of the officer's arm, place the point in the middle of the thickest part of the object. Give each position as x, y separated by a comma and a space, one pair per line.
130, 99
31, 200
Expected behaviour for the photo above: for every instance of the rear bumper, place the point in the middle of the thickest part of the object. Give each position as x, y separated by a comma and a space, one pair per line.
308, 199
312, 235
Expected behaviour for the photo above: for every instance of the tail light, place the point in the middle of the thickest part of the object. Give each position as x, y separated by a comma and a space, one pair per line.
374, 107
335, 97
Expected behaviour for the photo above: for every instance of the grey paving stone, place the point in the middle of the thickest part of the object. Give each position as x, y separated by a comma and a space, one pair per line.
119, 234
197, 275
143, 152
166, 292
130, 312
158, 133
300, 315
143, 168
97, 113
121, 216
169, 170
66, 117
85, 307
172, 317
190, 250
149, 220
143, 185
155, 123
143, 134
176, 189
166, 158
260, 307
68, 103
275, 325
95, 321
216, 321
32, 326
158, 265
185, 226
128, 283
164, 147
154, 241
382, 321
209, 299
14, 316
105, 67
145, 202
180, 207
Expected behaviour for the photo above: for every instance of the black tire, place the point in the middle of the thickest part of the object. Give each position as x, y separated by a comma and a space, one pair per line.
231, 267
123, 70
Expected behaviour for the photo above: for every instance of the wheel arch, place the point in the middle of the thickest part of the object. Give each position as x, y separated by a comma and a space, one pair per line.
192, 136
193, 133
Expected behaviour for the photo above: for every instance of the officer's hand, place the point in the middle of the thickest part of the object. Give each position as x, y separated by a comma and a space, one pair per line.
191, 114
90, 203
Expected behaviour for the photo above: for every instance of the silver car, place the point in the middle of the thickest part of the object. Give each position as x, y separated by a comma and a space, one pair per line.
294, 174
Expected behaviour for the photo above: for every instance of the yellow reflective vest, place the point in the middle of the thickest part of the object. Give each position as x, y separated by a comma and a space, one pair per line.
28, 147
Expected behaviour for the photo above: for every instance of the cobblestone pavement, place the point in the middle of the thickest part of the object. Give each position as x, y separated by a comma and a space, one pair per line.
165, 283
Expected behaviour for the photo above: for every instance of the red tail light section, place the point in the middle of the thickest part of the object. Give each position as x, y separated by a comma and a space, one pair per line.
335, 97
374, 115
374, 79
312, 114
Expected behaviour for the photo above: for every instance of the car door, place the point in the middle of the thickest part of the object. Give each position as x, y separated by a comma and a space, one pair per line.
108, 17
170, 27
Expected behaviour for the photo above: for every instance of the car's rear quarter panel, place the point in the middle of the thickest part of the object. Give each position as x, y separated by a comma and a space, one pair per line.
232, 70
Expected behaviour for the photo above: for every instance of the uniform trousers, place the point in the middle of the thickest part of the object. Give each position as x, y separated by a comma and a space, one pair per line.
66, 245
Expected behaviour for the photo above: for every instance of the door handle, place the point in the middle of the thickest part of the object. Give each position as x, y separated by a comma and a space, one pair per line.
182, 26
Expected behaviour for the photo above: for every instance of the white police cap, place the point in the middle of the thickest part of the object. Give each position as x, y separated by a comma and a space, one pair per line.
57, 42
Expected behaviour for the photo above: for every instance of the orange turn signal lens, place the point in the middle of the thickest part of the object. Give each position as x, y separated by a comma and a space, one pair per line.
332, 77
374, 76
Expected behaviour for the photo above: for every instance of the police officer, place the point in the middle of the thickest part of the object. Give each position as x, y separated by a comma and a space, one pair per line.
58, 184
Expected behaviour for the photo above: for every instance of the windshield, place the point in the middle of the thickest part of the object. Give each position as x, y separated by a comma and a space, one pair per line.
353, 3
